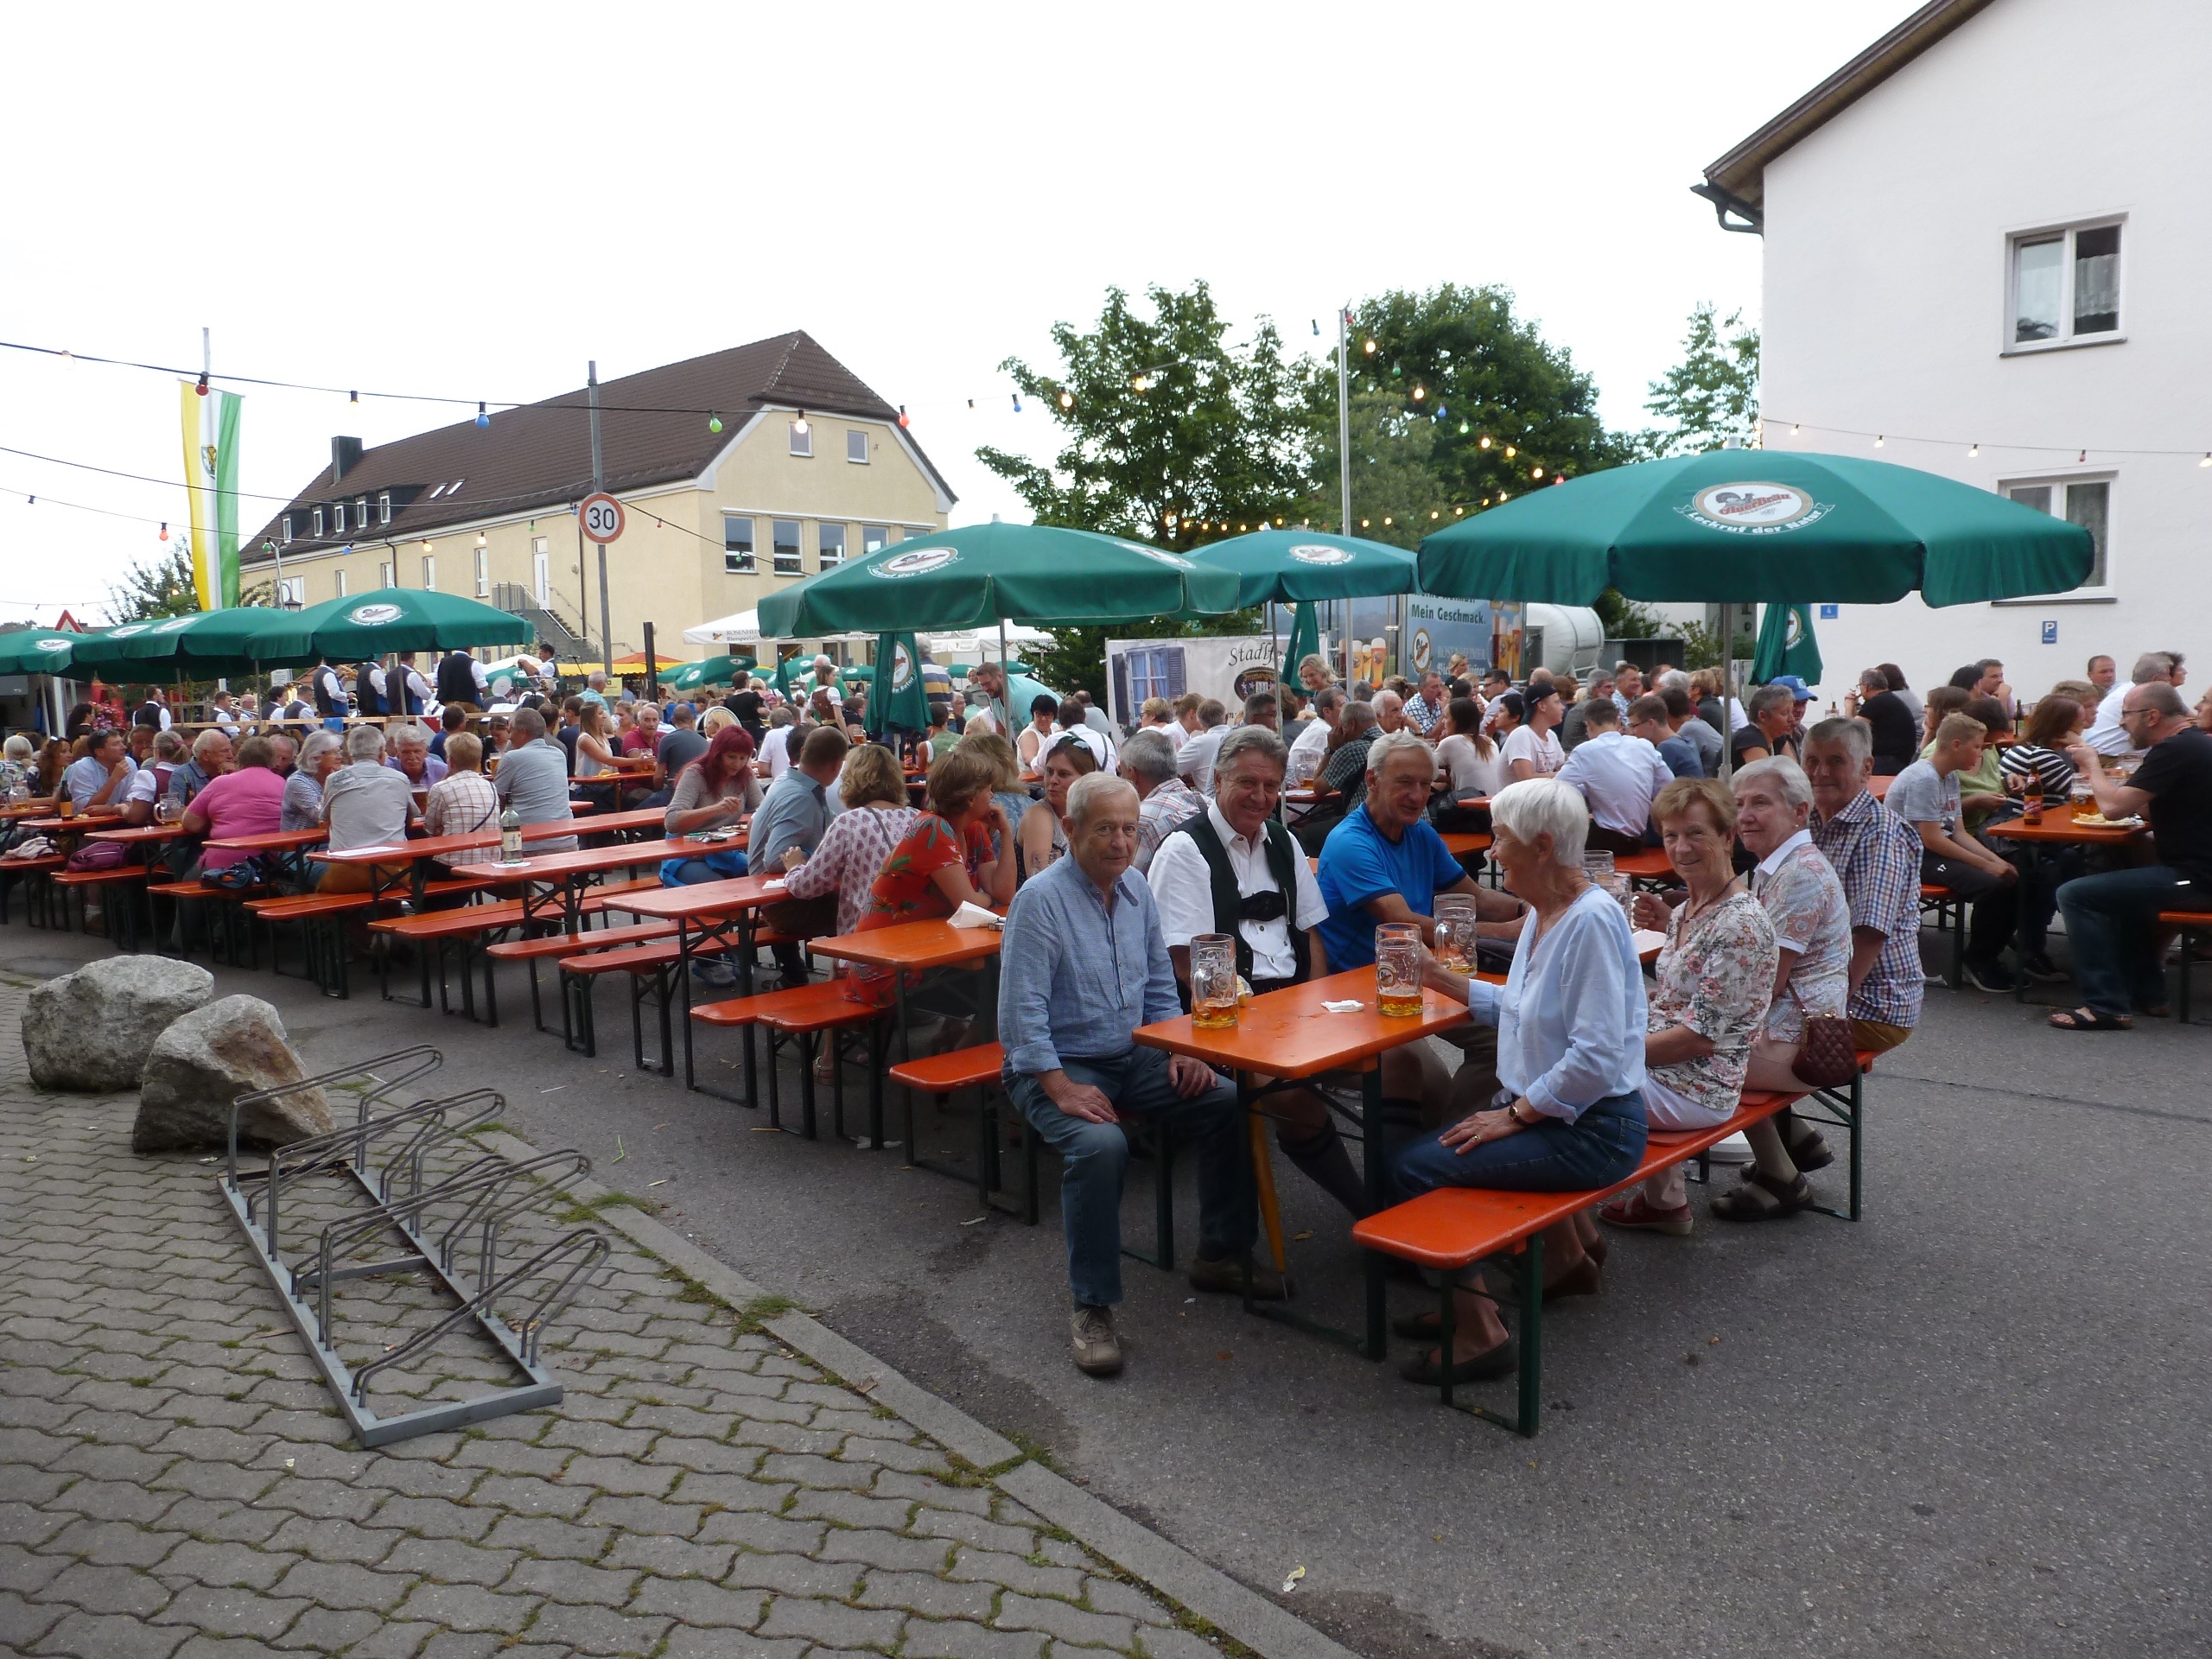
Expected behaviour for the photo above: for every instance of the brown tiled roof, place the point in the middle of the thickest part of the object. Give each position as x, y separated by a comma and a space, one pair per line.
1741, 174
652, 431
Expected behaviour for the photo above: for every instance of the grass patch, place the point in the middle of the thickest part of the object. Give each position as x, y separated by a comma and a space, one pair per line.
579, 1211
754, 1317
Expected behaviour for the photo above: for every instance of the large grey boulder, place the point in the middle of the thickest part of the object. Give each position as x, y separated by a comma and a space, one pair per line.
208, 1058
94, 1029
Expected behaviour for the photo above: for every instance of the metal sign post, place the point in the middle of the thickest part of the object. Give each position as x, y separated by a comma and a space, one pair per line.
599, 487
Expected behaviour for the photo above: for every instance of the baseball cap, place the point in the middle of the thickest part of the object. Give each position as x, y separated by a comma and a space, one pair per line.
1798, 690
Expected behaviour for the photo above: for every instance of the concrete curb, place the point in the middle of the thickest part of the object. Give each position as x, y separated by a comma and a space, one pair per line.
1212, 1594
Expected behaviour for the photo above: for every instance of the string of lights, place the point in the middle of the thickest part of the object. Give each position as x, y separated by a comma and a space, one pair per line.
1974, 447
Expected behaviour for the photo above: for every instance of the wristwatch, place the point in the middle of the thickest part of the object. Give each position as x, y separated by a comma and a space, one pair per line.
1514, 1112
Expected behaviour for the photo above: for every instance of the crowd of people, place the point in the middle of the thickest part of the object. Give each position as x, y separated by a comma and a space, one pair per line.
1792, 922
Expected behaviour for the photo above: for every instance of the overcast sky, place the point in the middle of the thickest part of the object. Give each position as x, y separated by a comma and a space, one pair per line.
473, 200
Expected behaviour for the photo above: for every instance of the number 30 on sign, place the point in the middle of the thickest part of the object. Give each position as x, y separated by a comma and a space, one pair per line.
602, 518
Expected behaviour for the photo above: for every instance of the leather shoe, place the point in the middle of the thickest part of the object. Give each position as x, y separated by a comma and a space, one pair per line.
1227, 1276
1098, 1347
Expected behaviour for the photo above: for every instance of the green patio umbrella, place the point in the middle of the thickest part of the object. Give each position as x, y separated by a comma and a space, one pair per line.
204, 645
1787, 645
1298, 567
895, 696
37, 651
984, 573
407, 618
708, 671
1772, 525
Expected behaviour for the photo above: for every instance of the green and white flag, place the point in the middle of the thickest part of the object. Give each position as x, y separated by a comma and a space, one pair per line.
1786, 645
211, 485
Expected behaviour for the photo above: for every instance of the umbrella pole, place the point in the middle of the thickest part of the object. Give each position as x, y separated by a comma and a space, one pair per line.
1003, 672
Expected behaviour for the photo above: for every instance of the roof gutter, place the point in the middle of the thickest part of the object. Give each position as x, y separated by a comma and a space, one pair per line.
1750, 219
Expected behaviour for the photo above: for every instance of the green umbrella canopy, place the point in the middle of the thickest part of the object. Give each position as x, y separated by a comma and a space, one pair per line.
407, 618
233, 640
37, 651
986, 573
1767, 524
708, 671
1286, 566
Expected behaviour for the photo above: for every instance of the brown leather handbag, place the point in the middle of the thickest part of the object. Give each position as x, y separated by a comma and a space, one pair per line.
1829, 1060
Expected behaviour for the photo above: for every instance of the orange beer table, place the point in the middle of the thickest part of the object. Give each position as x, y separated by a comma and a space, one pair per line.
714, 917
1285, 1038
2058, 829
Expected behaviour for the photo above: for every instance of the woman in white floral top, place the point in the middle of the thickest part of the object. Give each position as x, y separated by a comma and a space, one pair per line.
1812, 930
1716, 974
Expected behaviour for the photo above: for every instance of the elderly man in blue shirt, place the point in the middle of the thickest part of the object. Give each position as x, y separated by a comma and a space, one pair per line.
1084, 965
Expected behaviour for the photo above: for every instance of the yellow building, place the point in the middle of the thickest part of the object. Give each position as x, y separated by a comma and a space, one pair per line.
739, 473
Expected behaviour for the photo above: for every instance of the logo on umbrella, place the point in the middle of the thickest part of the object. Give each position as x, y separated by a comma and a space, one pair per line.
1754, 508
921, 562
128, 629
1314, 553
373, 616
53, 644
1175, 559
180, 622
902, 667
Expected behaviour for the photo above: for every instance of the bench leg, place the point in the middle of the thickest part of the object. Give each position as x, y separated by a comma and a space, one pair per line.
1532, 1339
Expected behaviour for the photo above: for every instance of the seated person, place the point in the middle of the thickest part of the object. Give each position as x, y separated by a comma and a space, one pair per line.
1041, 840
533, 778
1896, 732
249, 800
321, 754
1774, 717
1926, 795
1715, 978
1618, 776
1532, 748
1344, 774
1568, 1112
2112, 920
1044, 725
860, 839
411, 757
790, 819
1084, 965
1387, 863
1812, 935
1647, 719
464, 802
455, 719
943, 861
1876, 855
1147, 766
103, 784
211, 756
367, 803
1981, 787
1234, 869
717, 791
1472, 764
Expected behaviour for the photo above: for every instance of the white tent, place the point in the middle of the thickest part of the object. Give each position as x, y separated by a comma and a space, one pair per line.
742, 628
967, 646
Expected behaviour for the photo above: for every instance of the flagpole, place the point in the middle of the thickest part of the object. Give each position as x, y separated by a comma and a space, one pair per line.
1343, 457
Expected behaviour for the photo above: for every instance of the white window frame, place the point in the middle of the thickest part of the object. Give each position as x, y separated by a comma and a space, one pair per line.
2066, 338
339, 576
541, 569
823, 558
294, 589
385, 575
360, 512
874, 538
483, 573
284, 528
745, 562
383, 507
429, 573
851, 433
798, 547
316, 520
2103, 593
803, 442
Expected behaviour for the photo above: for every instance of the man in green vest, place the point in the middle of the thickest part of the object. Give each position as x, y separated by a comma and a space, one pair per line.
1234, 869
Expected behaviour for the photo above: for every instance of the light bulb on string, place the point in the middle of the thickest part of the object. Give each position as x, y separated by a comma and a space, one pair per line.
2207, 461
1535, 472
1510, 451
202, 387
799, 425
1370, 349
1419, 392
903, 421
2079, 459
1363, 522
1879, 440
1278, 524
1501, 496
1483, 442
1972, 449
1458, 511
479, 539
1463, 429
1067, 400
1434, 513
1017, 403
483, 416
713, 421
1386, 519
1795, 428
165, 530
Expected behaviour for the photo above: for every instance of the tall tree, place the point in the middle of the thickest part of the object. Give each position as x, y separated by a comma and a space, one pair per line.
1169, 433
162, 588
1713, 394
1394, 484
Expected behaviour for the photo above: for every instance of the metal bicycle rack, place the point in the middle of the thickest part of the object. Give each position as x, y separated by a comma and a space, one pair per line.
452, 1223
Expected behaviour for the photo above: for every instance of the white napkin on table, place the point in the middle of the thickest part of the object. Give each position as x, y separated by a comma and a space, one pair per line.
1344, 1007
973, 915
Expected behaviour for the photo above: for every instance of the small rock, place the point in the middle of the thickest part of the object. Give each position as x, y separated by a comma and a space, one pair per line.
93, 1030
206, 1059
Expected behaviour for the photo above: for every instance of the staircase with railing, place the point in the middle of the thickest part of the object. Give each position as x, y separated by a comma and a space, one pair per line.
570, 638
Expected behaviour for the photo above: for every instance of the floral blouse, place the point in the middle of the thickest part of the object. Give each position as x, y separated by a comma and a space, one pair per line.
1714, 975
1805, 902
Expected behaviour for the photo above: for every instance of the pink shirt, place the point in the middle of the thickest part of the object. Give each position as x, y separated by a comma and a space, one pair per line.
247, 802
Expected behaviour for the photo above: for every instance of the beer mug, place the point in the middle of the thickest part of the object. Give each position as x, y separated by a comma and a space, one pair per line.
1213, 981
1397, 970
1455, 931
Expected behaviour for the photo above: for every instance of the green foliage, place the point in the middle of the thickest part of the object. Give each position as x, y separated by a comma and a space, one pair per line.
1624, 619
162, 588
1713, 394
1700, 645
1394, 484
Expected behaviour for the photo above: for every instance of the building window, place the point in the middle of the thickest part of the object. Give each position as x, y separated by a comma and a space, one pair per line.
2083, 501
383, 575
292, 590
802, 440
831, 538
383, 508
2065, 285
875, 537
483, 573
429, 573
1157, 672
284, 528
338, 518
856, 447
737, 544
361, 513
316, 521
541, 570
341, 577
786, 546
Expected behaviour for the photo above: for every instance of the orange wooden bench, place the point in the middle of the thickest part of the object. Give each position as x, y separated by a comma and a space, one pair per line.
322, 916
126, 880
940, 1075
530, 953
800, 1014
648, 964
1451, 1228
13, 870
1950, 917
2191, 924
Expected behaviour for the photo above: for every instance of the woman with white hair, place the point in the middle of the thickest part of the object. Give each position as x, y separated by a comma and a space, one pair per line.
1812, 978
322, 755
1569, 1111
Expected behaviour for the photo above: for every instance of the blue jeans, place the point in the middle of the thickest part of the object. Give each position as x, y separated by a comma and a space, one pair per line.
2112, 923
1094, 1155
1601, 1147
690, 872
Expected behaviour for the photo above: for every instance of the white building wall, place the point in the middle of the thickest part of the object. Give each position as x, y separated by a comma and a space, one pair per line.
1885, 311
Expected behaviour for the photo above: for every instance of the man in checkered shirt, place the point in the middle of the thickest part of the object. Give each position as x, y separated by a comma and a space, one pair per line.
1876, 855
1424, 712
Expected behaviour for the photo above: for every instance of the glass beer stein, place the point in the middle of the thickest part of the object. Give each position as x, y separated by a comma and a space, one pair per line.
1213, 981
1397, 970
1455, 932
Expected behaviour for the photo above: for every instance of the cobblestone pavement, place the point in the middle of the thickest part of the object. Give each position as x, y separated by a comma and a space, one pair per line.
175, 1479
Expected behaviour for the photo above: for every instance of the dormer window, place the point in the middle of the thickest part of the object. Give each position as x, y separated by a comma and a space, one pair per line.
361, 513
338, 517
284, 528
383, 508
317, 522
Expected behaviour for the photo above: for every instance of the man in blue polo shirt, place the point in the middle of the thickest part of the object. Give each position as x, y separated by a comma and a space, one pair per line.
1385, 862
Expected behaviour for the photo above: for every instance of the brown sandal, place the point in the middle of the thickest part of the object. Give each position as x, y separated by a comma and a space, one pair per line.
1763, 1198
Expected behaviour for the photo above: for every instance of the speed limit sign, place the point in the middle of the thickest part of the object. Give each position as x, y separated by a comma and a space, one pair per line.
602, 518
